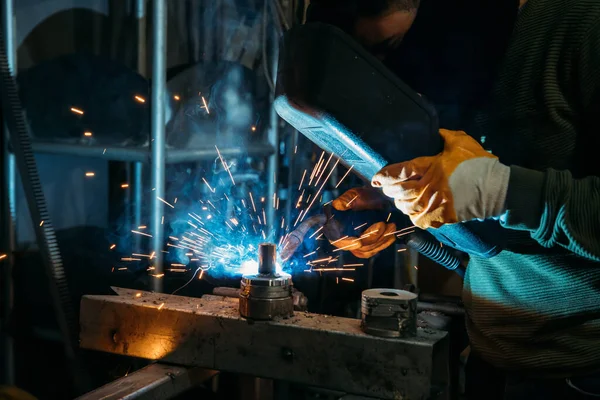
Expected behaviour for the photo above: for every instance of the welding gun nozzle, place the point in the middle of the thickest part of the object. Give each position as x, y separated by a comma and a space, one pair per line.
266, 258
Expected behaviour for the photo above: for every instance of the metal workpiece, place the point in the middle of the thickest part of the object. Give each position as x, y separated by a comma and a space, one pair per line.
267, 258
268, 294
389, 313
307, 349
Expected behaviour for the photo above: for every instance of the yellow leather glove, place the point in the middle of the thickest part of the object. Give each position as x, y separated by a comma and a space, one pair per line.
462, 183
375, 238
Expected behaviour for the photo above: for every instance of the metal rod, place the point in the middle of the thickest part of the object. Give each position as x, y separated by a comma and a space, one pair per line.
140, 15
141, 154
137, 202
273, 133
159, 33
8, 212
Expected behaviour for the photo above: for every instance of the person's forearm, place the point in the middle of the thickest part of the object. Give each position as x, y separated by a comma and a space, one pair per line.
557, 209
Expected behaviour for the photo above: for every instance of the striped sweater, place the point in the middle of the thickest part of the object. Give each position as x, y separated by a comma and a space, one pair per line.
535, 308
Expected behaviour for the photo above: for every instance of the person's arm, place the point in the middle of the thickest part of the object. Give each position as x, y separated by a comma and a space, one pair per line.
557, 209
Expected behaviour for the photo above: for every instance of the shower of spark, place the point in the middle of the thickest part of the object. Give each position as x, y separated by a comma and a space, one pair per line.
219, 234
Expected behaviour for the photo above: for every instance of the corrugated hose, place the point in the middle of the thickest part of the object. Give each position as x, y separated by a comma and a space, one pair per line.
431, 249
20, 141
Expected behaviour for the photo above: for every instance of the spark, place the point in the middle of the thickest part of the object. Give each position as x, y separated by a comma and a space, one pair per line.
175, 201
176, 97
205, 105
310, 254
122, 269
262, 199
87, 134
263, 235
388, 218
350, 202
141, 233
141, 255
41, 223
234, 221
340, 239
253, 129
142, 227
173, 238
125, 185
360, 226
399, 231
322, 185
324, 168
295, 149
332, 269
415, 267
224, 164
345, 247
402, 250
157, 276
264, 217
104, 151
130, 259
317, 231
166, 202
76, 110
177, 270
138, 295
353, 265
90, 174
112, 246
348, 279
405, 233
161, 305
2, 256
302, 180
140, 99
321, 260
344, 177
211, 189
252, 200
201, 273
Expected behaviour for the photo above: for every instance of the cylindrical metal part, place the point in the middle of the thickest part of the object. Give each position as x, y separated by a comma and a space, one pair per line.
266, 258
389, 313
267, 294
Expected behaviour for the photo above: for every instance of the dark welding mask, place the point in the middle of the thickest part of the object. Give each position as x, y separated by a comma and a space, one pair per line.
348, 103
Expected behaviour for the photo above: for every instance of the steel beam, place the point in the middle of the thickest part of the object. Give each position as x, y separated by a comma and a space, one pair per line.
154, 382
309, 349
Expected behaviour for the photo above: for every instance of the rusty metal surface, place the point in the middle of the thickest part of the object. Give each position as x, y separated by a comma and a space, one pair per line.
154, 382
309, 349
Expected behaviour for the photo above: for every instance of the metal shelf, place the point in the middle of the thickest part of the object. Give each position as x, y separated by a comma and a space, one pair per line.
144, 155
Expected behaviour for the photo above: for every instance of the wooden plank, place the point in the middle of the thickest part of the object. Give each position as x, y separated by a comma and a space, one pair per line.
311, 349
156, 381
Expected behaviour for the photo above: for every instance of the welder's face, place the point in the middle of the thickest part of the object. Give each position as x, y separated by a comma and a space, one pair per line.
382, 35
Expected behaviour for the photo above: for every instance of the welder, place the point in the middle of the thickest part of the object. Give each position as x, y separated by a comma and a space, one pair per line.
518, 84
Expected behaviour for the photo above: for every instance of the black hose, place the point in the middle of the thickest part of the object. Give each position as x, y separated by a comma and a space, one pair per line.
20, 141
431, 249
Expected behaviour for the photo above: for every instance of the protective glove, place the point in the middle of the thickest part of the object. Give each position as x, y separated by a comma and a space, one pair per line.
375, 238
462, 183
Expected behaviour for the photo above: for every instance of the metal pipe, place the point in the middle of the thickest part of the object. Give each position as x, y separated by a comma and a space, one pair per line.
141, 155
273, 134
140, 15
8, 211
159, 67
137, 202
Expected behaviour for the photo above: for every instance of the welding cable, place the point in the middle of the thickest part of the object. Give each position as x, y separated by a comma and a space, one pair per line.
431, 249
20, 141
